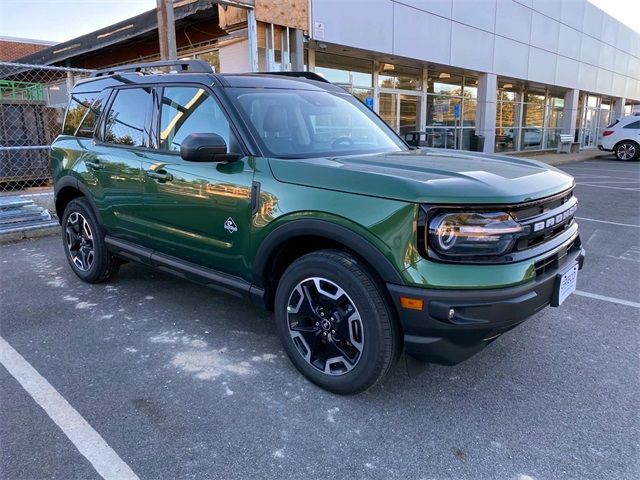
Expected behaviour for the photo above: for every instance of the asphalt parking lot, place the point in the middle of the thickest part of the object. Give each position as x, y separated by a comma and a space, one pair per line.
179, 381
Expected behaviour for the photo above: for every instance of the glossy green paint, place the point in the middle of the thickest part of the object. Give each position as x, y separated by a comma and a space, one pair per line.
389, 225
429, 176
112, 175
185, 216
427, 274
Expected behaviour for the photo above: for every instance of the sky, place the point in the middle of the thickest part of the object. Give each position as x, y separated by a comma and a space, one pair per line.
61, 20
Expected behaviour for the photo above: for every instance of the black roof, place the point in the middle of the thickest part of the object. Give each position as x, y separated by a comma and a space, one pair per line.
240, 80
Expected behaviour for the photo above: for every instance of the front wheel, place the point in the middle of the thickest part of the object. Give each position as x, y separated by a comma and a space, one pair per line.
627, 151
335, 322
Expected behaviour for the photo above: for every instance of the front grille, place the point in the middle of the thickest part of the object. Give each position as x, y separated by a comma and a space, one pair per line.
547, 219
539, 207
556, 260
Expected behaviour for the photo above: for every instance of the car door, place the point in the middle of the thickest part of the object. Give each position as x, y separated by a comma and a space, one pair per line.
196, 212
116, 162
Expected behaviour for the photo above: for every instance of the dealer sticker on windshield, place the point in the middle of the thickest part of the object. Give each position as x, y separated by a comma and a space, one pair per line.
567, 284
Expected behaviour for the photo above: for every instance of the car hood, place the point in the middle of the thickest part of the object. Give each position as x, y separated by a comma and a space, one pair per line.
428, 176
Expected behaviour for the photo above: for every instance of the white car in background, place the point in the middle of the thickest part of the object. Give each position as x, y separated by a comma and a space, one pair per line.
622, 137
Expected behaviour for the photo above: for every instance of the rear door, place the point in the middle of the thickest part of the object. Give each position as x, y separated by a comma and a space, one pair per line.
116, 163
197, 212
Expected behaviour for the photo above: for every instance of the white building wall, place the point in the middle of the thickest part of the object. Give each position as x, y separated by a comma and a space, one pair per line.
568, 43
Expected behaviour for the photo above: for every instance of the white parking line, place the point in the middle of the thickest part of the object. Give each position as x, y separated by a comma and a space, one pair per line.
619, 301
606, 221
587, 176
599, 181
600, 169
88, 442
611, 188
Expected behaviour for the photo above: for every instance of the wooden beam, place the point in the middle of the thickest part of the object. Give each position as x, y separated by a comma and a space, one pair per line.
166, 30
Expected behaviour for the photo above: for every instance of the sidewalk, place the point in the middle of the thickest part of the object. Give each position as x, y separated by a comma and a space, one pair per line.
27, 214
562, 158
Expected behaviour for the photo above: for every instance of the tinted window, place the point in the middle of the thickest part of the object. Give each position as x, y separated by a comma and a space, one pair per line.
633, 125
82, 112
187, 110
126, 120
612, 123
302, 123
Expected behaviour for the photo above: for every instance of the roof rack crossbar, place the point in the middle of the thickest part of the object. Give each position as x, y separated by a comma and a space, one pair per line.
182, 66
307, 75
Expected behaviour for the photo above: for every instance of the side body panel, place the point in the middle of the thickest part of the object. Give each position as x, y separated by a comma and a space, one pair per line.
202, 214
113, 178
387, 225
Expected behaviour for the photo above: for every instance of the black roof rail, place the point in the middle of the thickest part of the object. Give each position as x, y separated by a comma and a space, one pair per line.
182, 66
307, 75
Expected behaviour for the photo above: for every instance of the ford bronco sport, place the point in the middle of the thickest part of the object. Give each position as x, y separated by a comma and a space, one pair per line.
287, 190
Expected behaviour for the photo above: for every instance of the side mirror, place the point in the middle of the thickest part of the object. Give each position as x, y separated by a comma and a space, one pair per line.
206, 147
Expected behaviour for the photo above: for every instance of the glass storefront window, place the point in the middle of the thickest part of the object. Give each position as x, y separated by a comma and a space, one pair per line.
362, 94
507, 121
505, 139
470, 87
469, 107
345, 70
534, 98
399, 77
443, 83
507, 96
409, 105
533, 115
388, 109
440, 109
507, 114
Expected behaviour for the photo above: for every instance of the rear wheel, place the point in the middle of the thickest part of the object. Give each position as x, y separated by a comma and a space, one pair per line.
84, 244
627, 150
335, 322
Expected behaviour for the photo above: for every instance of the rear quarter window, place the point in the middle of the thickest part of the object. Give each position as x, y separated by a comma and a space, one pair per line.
82, 114
126, 123
635, 125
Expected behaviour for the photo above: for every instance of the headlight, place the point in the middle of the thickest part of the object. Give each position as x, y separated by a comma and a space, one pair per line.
473, 233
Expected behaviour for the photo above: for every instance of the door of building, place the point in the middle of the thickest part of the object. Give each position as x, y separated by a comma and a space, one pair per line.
401, 110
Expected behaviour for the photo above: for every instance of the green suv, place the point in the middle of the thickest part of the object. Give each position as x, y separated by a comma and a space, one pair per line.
287, 190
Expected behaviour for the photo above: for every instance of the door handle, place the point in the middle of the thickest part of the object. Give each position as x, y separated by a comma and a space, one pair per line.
95, 165
159, 175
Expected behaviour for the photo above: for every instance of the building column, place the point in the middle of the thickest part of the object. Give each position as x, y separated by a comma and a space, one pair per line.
570, 111
486, 110
618, 108
296, 47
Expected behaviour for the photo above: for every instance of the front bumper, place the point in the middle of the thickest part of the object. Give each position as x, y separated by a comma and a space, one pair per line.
431, 335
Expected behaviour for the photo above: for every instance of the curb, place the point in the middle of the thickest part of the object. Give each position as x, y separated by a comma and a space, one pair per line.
34, 231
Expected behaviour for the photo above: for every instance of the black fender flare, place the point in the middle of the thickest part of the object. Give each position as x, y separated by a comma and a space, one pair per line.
71, 181
330, 231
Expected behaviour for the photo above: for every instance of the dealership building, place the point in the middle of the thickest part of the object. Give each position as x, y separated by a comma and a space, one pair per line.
501, 75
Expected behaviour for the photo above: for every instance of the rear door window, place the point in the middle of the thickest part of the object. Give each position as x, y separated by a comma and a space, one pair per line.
635, 125
127, 122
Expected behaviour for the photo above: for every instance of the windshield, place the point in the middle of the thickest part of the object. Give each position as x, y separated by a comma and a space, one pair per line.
305, 124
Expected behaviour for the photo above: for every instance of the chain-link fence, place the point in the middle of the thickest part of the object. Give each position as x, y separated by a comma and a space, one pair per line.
32, 104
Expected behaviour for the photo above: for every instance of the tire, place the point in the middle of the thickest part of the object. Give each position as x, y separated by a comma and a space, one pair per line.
328, 304
83, 242
627, 150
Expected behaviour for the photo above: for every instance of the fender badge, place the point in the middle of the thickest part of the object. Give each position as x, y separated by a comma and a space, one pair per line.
230, 225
